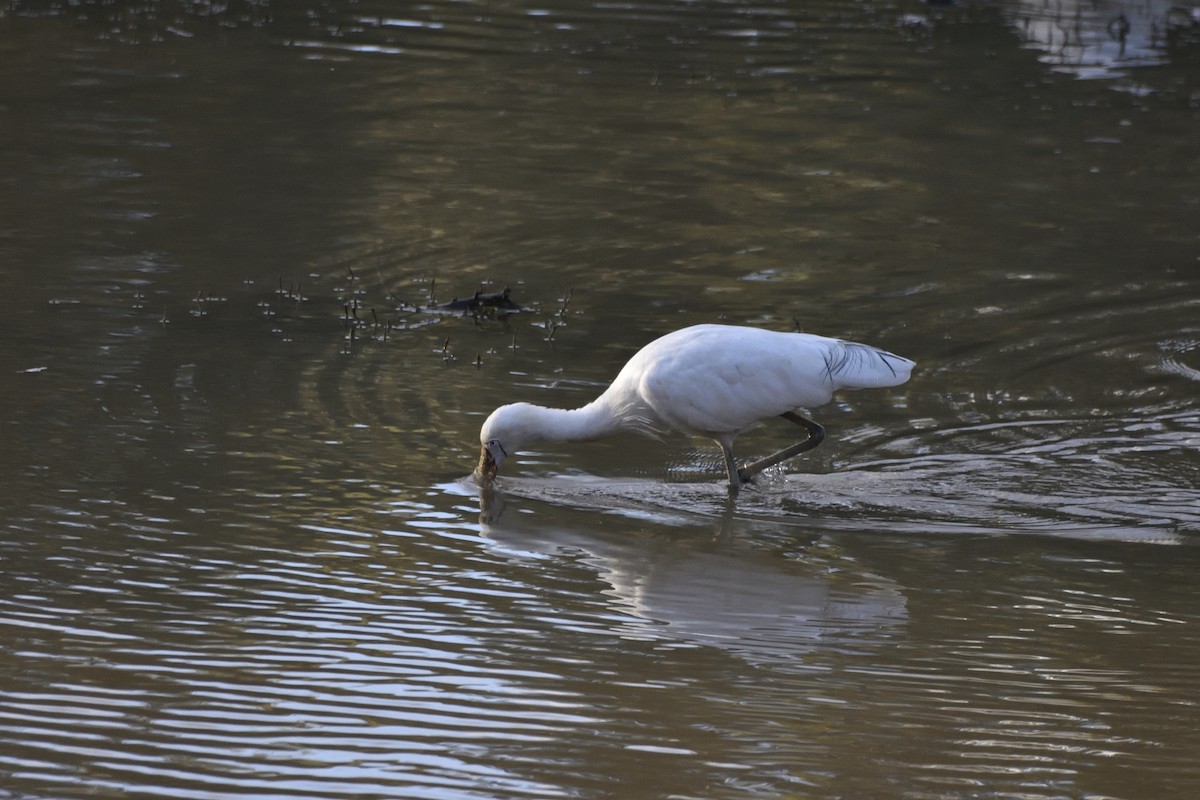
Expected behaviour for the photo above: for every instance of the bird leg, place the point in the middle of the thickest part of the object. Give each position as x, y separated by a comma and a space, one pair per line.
746, 474
735, 479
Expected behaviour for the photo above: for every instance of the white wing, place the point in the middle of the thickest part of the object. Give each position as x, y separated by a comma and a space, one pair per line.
717, 379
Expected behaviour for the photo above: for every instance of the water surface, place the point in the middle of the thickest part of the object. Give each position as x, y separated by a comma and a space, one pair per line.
238, 557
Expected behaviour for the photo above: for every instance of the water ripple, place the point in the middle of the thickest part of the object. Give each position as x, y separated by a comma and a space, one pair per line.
248, 679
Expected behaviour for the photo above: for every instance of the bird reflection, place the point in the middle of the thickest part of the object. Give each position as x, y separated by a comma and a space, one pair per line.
744, 585
492, 504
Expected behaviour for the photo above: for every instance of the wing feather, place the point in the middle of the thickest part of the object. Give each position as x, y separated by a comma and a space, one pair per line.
719, 380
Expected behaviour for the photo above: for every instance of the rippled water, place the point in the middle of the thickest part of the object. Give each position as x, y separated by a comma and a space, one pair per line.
239, 557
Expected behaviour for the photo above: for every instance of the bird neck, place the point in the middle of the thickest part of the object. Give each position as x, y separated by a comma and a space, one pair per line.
576, 424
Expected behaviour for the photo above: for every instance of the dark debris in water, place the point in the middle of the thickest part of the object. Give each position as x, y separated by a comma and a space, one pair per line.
362, 321
364, 311
482, 302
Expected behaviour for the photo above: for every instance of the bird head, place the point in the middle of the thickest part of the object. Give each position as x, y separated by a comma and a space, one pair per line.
491, 455
505, 432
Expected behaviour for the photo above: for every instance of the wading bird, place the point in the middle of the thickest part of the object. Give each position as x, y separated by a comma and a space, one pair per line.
715, 381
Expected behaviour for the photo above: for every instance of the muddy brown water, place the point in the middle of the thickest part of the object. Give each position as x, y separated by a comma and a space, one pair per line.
238, 558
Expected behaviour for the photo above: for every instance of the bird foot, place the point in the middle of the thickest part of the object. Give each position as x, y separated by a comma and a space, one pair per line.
744, 478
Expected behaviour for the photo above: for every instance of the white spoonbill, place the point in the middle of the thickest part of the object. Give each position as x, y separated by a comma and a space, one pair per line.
707, 380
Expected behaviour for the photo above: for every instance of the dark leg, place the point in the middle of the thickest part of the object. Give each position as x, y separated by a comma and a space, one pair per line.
735, 478
815, 435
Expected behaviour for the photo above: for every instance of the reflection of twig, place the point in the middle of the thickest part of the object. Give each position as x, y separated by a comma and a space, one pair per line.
1118, 29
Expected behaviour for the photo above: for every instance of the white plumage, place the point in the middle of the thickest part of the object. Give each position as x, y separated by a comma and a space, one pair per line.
715, 381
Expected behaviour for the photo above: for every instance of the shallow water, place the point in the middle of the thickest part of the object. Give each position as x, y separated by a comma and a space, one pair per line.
239, 558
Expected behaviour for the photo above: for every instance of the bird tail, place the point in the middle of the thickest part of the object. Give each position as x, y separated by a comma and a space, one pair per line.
849, 365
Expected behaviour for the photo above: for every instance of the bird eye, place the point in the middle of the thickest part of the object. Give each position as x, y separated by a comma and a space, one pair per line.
494, 444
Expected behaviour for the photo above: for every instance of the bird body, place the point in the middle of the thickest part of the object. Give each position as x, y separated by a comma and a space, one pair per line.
716, 381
